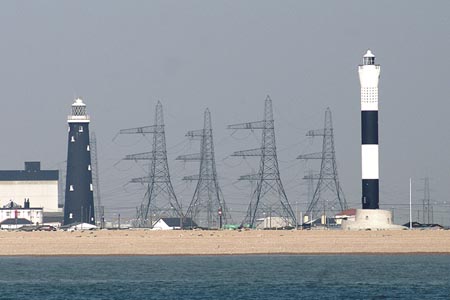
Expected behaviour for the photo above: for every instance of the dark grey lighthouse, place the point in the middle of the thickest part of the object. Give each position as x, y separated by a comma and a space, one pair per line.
369, 74
79, 199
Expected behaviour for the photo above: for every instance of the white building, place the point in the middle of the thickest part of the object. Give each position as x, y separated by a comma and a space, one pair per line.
39, 186
272, 223
13, 215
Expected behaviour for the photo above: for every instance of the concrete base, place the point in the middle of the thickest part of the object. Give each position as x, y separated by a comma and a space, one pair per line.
371, 219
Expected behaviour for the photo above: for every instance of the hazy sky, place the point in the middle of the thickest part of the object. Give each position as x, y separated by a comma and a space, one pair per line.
123, 56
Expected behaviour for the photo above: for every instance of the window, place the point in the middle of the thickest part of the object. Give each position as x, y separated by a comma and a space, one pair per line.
70, 216
78, 110
72, 139
71, 188
92, 188
87, 148
80, 129
89, 167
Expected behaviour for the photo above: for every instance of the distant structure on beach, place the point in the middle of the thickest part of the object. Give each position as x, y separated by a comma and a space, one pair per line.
99, 208
207, 207
160, 199
328, 197
269, 198
14, 216
79, 200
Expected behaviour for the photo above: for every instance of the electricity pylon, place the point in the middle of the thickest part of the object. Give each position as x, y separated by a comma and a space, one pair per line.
99, 209
207, 208
328, 196
269, 198
427, 207
160, 199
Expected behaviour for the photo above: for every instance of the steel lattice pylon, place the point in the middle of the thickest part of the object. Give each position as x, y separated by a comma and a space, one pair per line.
427, 209
207, 208
99, 209
328, 196
160, 199
269, 198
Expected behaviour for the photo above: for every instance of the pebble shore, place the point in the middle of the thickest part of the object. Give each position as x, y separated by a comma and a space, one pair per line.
245, 242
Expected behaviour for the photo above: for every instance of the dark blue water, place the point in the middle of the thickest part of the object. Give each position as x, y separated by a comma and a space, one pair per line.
226, 277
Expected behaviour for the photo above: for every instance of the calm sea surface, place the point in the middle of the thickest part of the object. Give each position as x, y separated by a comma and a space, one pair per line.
226, 277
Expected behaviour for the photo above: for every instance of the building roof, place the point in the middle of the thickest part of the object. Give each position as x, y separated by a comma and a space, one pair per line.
369, 54
18, 221
424, 226
347, 212
175, 222
32, 172
21, 208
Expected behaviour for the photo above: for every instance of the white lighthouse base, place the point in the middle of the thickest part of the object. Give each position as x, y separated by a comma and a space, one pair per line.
371, 219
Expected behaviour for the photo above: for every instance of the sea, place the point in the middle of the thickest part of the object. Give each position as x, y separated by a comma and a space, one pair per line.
226, 277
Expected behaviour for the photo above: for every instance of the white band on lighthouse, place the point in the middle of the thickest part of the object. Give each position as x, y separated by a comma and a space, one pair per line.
369, 154
369, 98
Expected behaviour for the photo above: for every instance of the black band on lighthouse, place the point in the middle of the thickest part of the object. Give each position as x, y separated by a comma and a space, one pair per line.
369, 127
370, 189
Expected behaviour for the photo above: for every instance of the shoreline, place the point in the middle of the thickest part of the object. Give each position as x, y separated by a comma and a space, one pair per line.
224, 243
229, 255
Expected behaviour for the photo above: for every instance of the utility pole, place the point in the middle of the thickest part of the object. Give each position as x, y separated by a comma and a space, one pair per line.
160, 199
269, 190
208, 206
328, 196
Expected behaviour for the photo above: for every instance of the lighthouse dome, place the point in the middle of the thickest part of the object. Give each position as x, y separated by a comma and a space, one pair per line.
369, 54
78, 102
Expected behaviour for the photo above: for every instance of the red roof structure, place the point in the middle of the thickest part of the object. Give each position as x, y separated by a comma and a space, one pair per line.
347, 212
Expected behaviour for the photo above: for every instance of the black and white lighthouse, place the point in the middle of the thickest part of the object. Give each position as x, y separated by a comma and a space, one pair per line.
369, 74
370, 217
79, 199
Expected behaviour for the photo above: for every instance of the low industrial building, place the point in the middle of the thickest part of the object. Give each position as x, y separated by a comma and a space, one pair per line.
272, 223
39, 186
